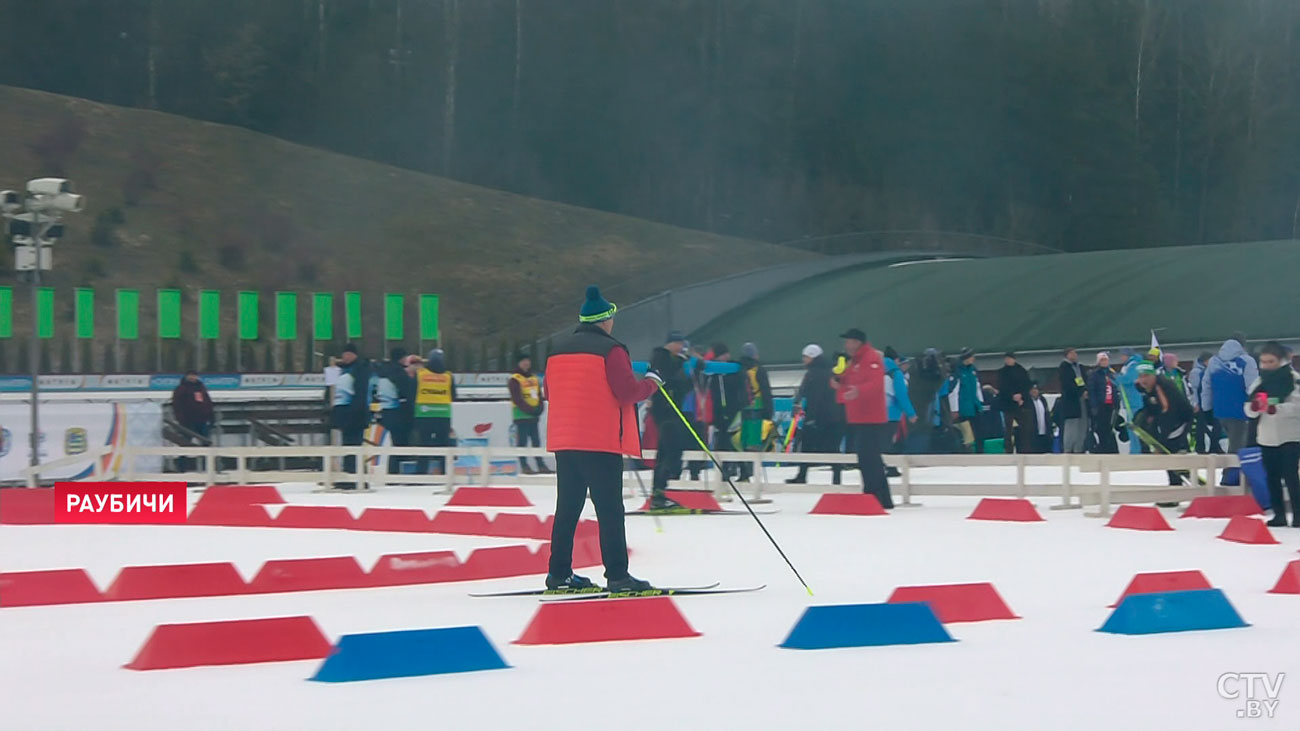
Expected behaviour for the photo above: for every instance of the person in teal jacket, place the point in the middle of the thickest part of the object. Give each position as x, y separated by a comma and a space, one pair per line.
898, 400
1127, 380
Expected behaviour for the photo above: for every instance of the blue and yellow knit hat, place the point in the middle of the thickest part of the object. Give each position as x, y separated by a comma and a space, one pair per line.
596, 308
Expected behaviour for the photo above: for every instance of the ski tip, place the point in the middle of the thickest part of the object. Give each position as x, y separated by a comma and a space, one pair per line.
809, 588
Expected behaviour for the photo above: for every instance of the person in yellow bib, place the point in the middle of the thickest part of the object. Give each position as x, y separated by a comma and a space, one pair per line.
435, 391
527, 406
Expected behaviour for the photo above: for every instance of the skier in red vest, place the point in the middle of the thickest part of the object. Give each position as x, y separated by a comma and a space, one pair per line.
592, 426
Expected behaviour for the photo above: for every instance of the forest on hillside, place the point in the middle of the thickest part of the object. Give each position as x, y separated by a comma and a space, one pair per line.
1078, 124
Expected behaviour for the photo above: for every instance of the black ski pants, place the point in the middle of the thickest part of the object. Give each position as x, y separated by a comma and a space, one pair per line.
601, 474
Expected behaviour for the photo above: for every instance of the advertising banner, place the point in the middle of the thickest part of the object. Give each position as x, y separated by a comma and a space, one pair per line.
73, 429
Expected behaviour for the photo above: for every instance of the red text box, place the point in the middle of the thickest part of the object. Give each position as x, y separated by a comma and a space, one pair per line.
154, 503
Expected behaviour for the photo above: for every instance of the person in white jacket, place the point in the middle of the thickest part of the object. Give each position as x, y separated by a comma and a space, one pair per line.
1275, 402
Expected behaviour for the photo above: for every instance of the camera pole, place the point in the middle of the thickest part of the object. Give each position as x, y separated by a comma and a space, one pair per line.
34, 356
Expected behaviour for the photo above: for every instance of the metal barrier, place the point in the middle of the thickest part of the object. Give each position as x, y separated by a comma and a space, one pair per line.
231, 465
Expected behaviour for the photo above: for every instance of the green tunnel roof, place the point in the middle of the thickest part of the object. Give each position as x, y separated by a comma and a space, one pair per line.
1095, 299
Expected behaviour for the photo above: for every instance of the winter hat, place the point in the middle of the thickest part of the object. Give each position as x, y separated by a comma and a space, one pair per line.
1146, 369
522, 354
675, 336
596, 308
965, 353
854, 333
350, 348
435, 357
397, 354
749, 350
1154, 354
1103, 354
812, 350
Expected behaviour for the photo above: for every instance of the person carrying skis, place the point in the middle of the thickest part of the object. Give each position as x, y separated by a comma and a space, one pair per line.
1275, 402
1166, 415
593, 393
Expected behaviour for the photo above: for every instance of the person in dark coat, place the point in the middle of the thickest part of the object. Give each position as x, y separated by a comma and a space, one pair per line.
1103, 403
396, 391
192, 408
1073, 404
727, 396
1037, 437
924, 387
668, 362
1013, 395
351, 406
822, 427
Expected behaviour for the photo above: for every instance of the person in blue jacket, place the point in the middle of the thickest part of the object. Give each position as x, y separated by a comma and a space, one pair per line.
1132, 398
898, 402
1223, 391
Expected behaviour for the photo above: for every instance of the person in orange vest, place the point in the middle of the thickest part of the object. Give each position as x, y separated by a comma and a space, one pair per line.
592, 393
527, 406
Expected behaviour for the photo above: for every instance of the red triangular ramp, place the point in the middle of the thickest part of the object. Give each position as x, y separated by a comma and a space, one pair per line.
403, 520
834, 503
573, 621
431, 567
461, 523
27, 506
1139, 517
1289, 583
499, 561
314, 516
1012, 509
957, 602
518, 525
309, 574
1222, 506
492, 497
61, 586
693, 499
176, 581
236, 642
1159, 582
230, 514
241, 495
1242, 529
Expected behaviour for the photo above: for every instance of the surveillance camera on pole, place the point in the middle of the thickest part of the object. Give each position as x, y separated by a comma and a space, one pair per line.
53, 194
35, 224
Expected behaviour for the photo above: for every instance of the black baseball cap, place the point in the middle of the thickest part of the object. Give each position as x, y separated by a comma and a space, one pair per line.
854, 333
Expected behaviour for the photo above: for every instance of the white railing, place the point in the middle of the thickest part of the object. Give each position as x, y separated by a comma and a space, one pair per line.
241, 465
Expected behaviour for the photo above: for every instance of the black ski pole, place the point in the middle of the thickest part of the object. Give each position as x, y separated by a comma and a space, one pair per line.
734, 489
659, 528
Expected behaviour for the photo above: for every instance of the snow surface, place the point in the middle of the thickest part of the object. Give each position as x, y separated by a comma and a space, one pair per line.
60, 666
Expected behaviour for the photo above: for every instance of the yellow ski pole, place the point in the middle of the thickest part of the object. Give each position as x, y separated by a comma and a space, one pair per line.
734, 489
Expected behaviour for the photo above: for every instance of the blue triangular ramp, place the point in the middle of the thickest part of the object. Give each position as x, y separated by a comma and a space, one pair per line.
865, 625
408, 653
1173, 611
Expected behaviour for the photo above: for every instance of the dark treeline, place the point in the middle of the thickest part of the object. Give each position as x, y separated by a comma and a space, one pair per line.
1081, 124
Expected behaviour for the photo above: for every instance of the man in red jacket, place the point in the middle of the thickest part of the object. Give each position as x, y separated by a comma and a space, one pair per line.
862, 391
593, 394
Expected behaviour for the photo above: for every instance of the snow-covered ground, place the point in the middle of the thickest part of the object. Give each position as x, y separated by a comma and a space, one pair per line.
60, 666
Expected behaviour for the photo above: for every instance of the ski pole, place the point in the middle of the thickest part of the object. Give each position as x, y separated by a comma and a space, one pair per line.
734, 489
658, 526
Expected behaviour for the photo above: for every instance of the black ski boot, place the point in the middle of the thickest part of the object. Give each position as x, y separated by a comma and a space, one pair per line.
572, 582
628, 584
1279, 520
660, 501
